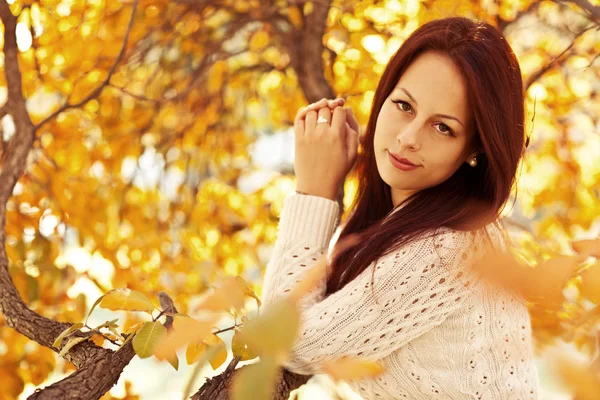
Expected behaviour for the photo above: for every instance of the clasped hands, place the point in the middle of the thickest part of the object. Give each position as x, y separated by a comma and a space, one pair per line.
324, 151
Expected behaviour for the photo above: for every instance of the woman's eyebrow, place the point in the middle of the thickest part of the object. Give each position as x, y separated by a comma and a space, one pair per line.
439, 115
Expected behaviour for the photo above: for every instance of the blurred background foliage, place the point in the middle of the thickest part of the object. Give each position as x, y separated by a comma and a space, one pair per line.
160, 183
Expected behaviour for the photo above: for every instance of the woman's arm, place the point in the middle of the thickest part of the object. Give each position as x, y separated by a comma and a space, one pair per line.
305, 228
416, 289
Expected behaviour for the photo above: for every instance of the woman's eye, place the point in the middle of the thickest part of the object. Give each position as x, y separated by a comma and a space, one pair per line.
402, 105
446, 130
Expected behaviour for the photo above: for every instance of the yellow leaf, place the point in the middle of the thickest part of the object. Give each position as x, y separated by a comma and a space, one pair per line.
587, 247
239, 348
542, 284
72, 342
194, 351
255, 381
295, 16
220, 356
576, 375
174, 361
348, 369
308, 8
273, 332
127, 300
318, 271
134, 328
248, 290
12, 383
98, 300
65, 333
208, 354
97, 339
146, 340
590, 284
185, 329
259, 40
229, 294
108, 324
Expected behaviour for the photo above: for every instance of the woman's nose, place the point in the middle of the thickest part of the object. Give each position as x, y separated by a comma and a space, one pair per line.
408, 138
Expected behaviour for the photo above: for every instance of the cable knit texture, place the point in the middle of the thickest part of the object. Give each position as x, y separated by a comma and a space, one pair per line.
438, 330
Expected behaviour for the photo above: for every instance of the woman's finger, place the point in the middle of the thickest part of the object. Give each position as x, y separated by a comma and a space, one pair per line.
352, 140
323, 127
319, 104
338, 121
299, 128
310, 122
351, 119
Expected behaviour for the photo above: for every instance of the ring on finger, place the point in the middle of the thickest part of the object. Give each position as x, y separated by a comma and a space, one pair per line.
324, 115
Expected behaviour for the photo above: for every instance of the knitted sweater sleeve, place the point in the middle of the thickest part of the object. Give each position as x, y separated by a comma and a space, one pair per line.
415, 288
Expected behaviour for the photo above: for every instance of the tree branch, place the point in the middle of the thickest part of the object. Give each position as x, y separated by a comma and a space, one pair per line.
218, 388
592, 11
96, 92
16, 313
18, 316
556, 61
502, 23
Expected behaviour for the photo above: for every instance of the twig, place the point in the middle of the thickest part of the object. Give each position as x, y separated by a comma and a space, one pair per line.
96, 92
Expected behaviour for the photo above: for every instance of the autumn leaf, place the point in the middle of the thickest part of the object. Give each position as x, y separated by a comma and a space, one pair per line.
241, 349
590, 283
229, 294
148, 337
72, 342
185, 329
273, 332
347, 369
590, 248
255, 381
126, 300
66, 332
195, 351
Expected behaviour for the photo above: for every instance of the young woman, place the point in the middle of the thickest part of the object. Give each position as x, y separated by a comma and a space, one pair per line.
440, 154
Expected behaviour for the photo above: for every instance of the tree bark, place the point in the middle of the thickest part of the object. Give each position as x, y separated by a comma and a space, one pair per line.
218, 388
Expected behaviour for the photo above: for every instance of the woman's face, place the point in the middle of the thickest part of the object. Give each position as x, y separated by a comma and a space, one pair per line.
427, 121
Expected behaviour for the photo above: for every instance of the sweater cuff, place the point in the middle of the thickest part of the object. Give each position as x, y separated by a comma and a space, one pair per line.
308, 219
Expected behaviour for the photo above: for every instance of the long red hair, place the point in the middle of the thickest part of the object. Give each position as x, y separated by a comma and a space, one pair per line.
472, 197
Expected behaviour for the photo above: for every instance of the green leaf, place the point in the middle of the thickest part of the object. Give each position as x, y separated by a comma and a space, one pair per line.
255, 381
126, 300
72, 342
239, 348
65, 333
147, 338
272, 333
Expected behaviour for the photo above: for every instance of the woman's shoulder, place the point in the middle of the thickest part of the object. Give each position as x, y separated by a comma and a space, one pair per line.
452, 238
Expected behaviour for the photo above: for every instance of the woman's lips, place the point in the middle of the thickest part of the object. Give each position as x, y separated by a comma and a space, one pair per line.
401, 165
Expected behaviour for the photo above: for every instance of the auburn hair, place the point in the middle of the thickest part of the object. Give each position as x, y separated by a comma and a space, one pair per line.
472, 197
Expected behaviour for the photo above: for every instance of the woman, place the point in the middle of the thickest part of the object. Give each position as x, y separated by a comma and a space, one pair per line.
440, 154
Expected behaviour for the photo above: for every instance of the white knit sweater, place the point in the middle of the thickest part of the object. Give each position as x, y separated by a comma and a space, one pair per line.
438, 331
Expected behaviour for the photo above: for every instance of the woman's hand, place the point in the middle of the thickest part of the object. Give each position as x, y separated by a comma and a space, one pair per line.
324, 152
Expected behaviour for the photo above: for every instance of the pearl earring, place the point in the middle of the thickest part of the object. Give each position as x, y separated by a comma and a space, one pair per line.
473, 162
